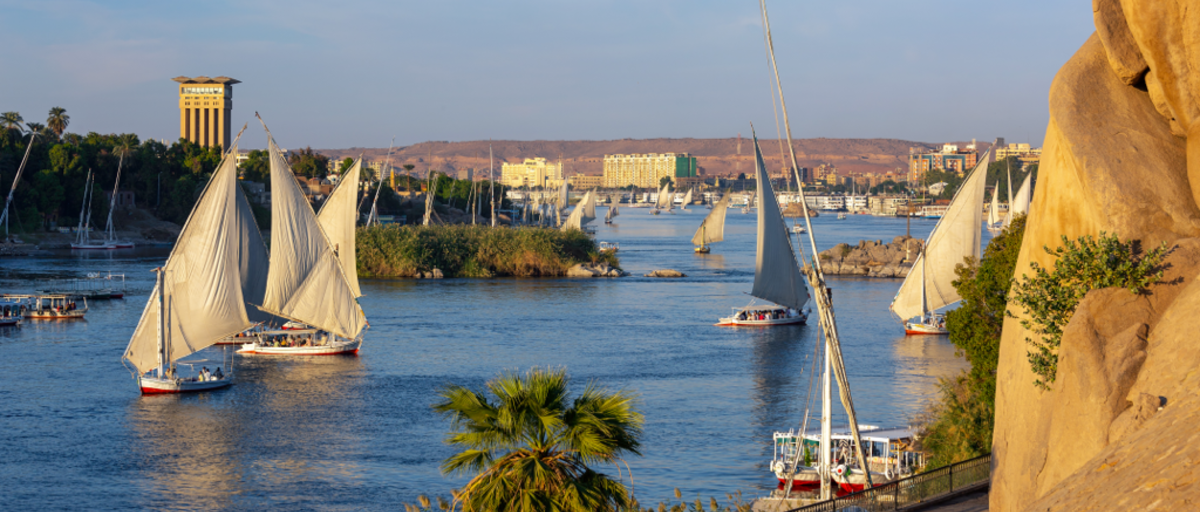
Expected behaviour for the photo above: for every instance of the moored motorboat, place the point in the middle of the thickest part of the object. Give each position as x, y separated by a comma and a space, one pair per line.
154, 385
53, 307
890, 454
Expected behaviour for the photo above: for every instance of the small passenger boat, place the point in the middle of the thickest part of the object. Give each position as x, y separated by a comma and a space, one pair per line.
54, 307
300, 342
612, 247
890, 454
764, 316
11, 312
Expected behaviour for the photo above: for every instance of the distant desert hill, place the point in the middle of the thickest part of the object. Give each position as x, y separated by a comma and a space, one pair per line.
716, 157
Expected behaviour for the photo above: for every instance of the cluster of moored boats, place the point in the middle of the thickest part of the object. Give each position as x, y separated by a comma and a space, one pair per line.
220, 284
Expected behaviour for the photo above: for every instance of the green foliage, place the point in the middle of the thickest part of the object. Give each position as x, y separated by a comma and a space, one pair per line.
951, 178
308, 163
959, 425
55, 174
663, 181
345, 165
1049, 298
471, 251
531, 446
58, 120
257, 167
997, 174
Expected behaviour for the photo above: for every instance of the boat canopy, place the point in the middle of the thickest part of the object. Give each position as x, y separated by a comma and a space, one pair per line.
216, 270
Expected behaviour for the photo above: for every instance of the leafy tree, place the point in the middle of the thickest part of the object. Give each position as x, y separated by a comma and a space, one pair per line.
663, 181
961, 424
11, 120
1049, 298
308, 163
58, 120
531, 447
345, 165
38, 128
257, 167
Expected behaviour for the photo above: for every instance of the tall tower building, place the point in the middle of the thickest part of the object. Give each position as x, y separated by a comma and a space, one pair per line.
204, 107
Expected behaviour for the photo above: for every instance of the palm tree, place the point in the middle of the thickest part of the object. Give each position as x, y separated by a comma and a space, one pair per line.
125, 144
58, 120
37, 128
11, 120
531, 449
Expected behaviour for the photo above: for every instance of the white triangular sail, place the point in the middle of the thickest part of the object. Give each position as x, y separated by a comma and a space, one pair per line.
338, 218
776, 273
306, 282
577, 218
713, 228
687, 199
956, 236
994, 209
1020, 202
563, 196
664, 196
216, 270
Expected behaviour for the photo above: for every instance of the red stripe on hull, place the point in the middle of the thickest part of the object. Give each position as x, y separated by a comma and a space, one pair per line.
345, 353
156, 391
921, 333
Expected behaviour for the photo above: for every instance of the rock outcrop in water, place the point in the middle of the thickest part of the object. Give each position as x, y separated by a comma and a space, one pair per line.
872, 258
1121, 155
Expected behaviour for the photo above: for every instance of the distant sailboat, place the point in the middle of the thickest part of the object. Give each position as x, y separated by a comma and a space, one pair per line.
994, 221
687, 200
1020, 202
957, 235
307, 283
83, 235
110, 232
712, 230
612, 212
777, 275
205, 291
579, 216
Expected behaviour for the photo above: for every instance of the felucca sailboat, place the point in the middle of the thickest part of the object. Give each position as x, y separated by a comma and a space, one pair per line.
957, 235
712, 230
205, 291
312, 280
687, 199
792, 468
994, 221
583, 213
776, 271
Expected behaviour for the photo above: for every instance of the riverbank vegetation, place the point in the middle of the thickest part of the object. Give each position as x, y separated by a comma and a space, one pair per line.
474, 251
959, 424
164, 179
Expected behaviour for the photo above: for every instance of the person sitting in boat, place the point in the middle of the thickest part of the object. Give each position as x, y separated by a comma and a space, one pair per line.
217, 375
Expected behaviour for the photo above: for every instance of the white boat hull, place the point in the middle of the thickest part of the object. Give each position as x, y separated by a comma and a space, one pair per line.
804, 477
55, 315
733, 321
332, 349
93, 247
156, 386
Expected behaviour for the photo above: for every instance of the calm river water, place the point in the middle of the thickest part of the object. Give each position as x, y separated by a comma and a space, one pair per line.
355, 433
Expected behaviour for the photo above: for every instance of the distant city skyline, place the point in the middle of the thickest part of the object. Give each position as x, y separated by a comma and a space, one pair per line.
357, 73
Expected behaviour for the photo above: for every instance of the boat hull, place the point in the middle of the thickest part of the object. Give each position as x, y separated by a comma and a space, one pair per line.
804, 477
55, 315
334, 349
916, 329
93, 247
703, 250
153, 386
12, 321
733, 322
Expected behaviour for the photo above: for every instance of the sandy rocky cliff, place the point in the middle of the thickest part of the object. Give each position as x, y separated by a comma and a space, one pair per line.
1120, 430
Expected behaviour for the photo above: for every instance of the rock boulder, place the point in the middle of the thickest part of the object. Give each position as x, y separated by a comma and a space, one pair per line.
666, 273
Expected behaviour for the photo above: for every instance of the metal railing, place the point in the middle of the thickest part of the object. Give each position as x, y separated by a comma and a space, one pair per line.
912, 490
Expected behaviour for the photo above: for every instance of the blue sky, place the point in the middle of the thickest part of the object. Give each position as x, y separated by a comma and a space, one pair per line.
356, 73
